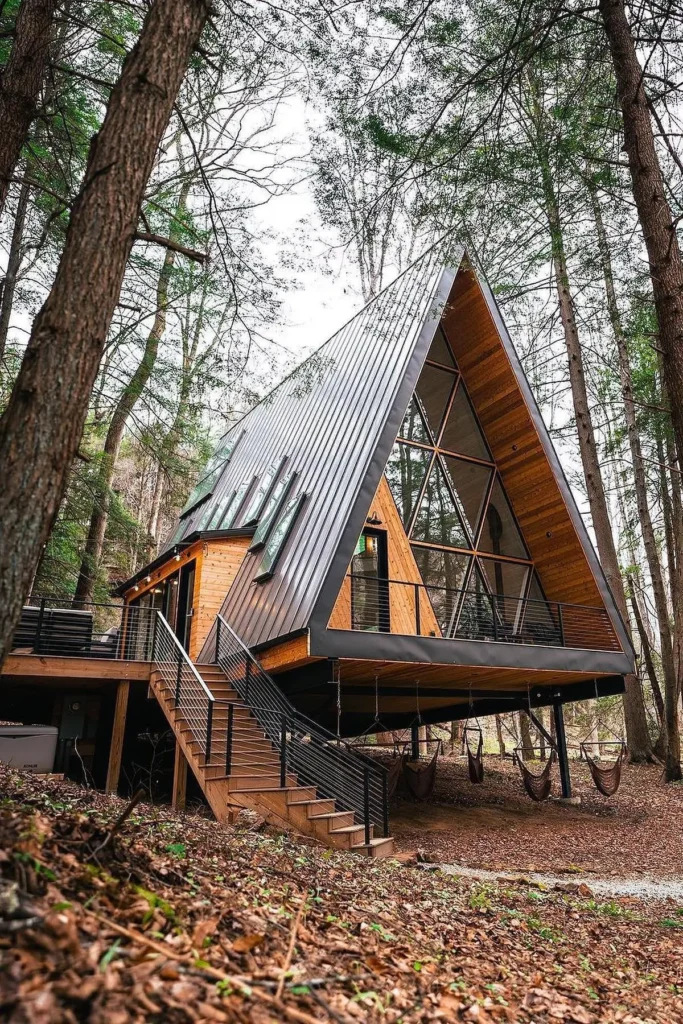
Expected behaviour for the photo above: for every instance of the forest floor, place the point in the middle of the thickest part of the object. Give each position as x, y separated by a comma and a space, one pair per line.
637, 832
177, 919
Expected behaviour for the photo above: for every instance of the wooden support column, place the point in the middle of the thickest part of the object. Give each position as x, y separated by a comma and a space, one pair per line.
117, 735
179, 779
561, 741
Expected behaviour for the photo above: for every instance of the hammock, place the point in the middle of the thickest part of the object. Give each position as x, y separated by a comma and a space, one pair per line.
537, 786
606, 780
394, 774
420, 781
475, 762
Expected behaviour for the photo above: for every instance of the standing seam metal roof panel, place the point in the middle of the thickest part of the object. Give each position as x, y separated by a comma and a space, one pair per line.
327, 418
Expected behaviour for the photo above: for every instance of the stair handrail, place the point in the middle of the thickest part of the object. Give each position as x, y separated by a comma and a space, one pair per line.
191, 694
326, 761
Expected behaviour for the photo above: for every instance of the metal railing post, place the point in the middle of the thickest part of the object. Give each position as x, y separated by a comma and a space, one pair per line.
385, 805
218, 640
154, 636
493, 617
418, 624
39, 626
228, 741
179, 674
209, 727
283, 753
560, 620
366, 804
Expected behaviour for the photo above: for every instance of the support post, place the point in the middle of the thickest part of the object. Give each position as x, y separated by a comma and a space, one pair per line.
117, 736
415, 742
179, 779
366, 804
561, 741
283, 753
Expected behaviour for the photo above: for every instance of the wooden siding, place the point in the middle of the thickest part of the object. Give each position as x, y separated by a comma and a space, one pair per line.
290, 654
217, 566
529, 480
402, 566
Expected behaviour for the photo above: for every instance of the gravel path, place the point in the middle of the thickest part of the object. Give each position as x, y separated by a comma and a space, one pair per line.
642, 888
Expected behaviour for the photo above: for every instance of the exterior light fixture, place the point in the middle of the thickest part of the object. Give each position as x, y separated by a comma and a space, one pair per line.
148, 579
136, 588
177, 556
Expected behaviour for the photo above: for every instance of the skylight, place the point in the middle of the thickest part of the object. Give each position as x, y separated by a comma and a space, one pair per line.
270, 511
262, 493
278, 537
212, 472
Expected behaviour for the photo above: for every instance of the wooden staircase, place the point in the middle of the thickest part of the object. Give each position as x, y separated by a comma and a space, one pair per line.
255, 776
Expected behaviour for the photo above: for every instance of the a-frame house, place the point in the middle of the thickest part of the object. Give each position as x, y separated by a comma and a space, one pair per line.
389, 530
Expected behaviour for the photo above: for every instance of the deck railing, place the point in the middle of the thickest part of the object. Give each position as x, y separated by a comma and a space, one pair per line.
316, 756
397, 606
48, 626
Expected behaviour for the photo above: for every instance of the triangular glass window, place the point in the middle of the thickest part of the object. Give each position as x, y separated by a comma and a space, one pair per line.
434, 391
405, 473
461, 433
500, 534
541, 623
438, 520
444, 574
413, 427
470, 482
440, 351
478, 619
507, 582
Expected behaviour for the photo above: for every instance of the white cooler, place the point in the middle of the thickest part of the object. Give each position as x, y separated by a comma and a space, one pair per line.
29, 746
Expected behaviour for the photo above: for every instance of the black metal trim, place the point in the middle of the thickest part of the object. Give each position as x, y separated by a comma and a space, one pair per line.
434, 650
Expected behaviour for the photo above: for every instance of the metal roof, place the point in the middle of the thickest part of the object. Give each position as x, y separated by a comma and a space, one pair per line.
335, 420
327, 419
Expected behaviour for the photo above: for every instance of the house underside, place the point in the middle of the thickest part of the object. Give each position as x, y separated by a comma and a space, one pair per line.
388, 538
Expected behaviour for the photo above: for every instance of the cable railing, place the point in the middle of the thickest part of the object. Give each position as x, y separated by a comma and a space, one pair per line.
313, 754
190, 693
48, 626
397, 606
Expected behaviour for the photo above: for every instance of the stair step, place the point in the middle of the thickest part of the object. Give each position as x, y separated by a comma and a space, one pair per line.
383, 846
334, 820
303, 795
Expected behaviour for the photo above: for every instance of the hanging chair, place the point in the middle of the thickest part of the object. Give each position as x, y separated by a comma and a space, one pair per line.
420, 779
394, 773
475, 762
606, 779
537, 786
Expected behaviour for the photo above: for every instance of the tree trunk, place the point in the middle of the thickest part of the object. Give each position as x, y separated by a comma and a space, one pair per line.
526, 741
112, 443
13, 264
20, 83
646, 649
634, 708
42, 426
500, 737
666, 644
661, 241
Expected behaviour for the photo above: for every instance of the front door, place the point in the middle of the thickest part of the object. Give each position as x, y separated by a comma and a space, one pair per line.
185, 611
370, 583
